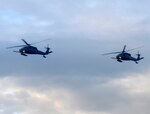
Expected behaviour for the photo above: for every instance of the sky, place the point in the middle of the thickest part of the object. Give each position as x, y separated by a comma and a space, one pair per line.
75, 78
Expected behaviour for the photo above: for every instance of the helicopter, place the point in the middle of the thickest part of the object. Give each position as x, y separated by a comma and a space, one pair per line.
124, 56
29, 49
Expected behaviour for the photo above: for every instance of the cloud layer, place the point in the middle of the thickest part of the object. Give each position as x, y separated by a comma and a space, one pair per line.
128, 94
75, 79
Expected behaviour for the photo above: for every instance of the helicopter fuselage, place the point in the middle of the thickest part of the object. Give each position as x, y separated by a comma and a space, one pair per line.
124, 56
127, 57
30, 50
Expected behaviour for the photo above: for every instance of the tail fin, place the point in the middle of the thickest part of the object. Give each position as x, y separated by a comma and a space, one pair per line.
139, 57
47, 50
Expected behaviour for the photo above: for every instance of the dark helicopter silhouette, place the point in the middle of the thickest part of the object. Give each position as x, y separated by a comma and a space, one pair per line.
124, 56
29, 49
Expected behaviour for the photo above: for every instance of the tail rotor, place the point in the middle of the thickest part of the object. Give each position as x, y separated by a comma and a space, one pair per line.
139, 56
47, 50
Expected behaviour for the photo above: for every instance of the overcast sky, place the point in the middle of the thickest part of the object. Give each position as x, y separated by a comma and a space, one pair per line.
76, 78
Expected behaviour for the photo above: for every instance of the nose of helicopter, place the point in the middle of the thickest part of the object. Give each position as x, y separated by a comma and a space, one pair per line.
118, 57
21, 50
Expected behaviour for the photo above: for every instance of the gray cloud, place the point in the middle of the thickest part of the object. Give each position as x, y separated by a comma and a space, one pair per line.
110, 96
76, 78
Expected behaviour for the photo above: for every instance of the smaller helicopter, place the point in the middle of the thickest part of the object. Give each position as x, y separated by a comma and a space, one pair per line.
124, 56
29, 49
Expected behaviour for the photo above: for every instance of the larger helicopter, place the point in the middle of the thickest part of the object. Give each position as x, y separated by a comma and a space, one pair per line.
29, 49
124, 56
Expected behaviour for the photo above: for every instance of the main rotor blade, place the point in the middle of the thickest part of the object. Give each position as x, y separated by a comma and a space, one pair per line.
124, 48
40, 41
25, 42
111, 53
16, 51
15, 46
134, 48
113, 58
